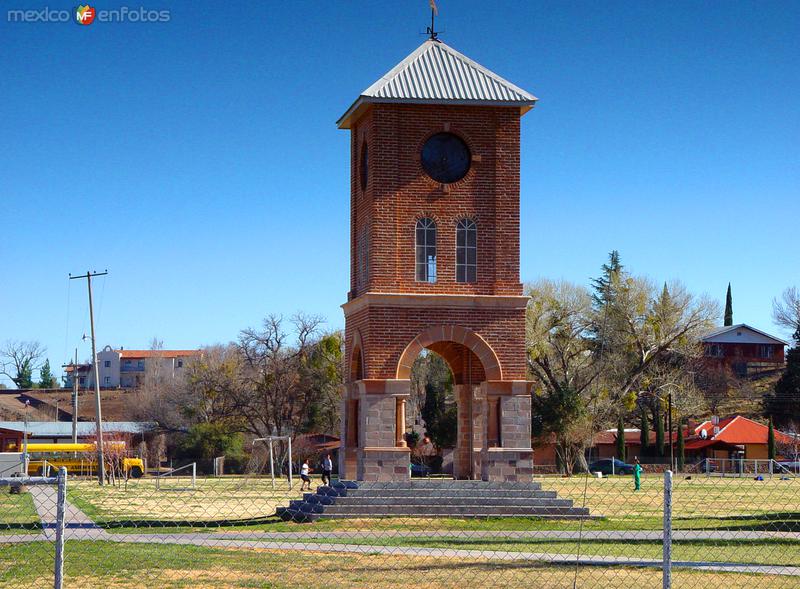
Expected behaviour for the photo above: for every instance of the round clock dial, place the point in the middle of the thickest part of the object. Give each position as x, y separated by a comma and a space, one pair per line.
446, 158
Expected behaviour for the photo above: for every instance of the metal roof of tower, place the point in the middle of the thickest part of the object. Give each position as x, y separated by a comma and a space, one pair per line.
435, 73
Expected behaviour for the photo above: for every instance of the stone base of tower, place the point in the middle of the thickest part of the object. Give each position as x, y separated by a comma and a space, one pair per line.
384, 464
493, 438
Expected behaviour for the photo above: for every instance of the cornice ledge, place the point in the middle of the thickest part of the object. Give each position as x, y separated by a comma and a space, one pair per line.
417, 300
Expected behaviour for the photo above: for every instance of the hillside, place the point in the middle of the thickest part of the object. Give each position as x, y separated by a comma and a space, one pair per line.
117, 405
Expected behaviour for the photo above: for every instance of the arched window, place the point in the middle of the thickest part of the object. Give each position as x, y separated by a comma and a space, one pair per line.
466, 251
426, 250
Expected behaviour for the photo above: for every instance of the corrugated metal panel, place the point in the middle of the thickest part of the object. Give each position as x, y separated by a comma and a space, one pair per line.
85, 428
435, 71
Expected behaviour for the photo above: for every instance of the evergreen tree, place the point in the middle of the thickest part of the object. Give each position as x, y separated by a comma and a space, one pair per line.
771, 441
659, 432
645, 436
621, 439
728, 307
46, 378
24, 378
607, 290
681, 448
441, 417
604, 285
782, 405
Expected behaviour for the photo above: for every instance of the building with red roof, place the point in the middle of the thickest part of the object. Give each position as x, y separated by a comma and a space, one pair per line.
121, 368
733, 437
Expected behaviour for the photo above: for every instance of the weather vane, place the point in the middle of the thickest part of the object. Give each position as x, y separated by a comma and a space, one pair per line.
434, 13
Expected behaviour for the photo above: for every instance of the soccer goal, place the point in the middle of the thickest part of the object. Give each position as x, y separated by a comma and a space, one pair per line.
280, 446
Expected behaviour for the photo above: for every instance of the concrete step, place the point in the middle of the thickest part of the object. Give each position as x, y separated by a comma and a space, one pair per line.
444, 494
455, 501
417, 484
354, 511
323, 499
430, 498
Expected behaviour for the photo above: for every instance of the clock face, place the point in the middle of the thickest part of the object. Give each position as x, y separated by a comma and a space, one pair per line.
446, 158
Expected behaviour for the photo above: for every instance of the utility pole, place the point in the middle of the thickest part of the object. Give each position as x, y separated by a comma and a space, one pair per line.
101, 466
74, 397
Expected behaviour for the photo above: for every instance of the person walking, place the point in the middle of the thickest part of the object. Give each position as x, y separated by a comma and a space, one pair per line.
637, 475
327, 469
305, 471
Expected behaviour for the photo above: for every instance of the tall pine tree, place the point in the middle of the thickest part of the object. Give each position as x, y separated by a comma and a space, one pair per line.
782, 405
621, 439
771, 441
645, 435
659, 432
728, 307
440, 416
604, 285
46, 378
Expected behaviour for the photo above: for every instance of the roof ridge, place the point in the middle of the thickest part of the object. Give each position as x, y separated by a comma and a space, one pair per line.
727, 328
727, 425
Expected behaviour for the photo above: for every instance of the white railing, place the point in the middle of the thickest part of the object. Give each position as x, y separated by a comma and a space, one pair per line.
744, 467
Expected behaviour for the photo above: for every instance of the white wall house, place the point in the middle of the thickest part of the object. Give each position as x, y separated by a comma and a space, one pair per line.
126, 368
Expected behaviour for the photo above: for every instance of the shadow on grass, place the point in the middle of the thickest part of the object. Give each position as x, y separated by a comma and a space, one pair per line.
173, 523
788, 521
21, 526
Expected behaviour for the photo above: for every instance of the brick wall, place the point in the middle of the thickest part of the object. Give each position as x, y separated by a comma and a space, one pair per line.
399, 192
386, 331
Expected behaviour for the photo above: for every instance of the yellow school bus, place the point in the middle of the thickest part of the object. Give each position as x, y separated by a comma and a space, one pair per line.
80, 459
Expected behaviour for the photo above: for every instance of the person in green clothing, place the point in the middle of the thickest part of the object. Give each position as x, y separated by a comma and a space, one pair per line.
637, 475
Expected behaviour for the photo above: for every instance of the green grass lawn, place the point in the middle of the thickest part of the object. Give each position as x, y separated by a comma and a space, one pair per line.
760, 552
699, 503
211, 500
17, 511
100, 564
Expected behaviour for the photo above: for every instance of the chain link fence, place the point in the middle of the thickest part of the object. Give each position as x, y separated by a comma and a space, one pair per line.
254, 531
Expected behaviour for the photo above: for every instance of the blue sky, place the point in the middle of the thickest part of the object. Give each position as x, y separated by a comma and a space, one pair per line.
198, 159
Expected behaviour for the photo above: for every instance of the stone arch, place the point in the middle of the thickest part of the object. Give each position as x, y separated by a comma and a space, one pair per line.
437, 339
356, 364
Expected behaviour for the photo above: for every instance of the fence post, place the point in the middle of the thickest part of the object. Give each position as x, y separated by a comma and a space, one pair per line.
667, 548
61, 508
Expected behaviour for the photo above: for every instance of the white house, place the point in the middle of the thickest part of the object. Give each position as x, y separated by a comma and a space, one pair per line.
126, 368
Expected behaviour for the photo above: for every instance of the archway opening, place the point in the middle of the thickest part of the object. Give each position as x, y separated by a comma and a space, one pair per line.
444, 378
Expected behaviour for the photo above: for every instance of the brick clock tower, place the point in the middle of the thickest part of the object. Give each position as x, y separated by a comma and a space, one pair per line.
434, 245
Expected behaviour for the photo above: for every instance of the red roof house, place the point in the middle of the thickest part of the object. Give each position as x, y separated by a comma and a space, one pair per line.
733, 437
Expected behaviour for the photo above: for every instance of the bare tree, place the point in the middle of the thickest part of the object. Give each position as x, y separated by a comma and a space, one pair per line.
786, 310
18, 360
159, 397
212, 387
274, 394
